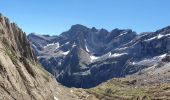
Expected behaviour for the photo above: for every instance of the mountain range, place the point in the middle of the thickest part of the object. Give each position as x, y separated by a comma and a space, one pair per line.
116, 65
85, 57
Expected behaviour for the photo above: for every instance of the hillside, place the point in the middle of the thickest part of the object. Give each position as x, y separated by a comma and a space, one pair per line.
21, 76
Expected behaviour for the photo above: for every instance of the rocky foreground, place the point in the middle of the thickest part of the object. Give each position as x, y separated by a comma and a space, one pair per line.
21, 76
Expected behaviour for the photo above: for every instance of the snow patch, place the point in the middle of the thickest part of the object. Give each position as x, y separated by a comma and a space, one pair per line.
109, 54
123, 48
151, 38
105, 56
65, 53
123, 34
159, 36
150, 61
118, 54
67, 43
93, 58
52, 44
73, 45
87, 48
133, 63
162, 56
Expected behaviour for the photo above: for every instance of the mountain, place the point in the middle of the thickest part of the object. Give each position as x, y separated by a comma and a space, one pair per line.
145, 59
85, 57
149, 84
21, 76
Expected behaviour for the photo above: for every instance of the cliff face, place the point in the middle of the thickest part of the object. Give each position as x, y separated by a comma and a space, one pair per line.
21, 77
85, 57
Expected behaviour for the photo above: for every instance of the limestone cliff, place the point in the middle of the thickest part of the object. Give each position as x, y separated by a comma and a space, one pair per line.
21, 77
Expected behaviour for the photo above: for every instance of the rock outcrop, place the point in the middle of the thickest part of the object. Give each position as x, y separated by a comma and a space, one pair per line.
21, 76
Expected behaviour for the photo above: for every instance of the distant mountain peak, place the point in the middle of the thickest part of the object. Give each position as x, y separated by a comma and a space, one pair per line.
78, 27
94, 29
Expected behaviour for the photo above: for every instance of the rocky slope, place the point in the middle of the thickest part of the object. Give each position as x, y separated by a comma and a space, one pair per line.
85, 57
21, 77
152, 83
123, 89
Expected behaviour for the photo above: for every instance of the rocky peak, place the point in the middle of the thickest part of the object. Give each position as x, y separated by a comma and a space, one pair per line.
16, 39
165, 30
103, 32
78, 27
93, 29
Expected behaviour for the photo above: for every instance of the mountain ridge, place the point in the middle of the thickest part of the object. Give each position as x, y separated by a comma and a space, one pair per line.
80, 65
113, 53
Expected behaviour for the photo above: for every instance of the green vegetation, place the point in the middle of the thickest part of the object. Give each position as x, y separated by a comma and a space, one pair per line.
1, 26
11, 54
14, 58
119, 90
44, 73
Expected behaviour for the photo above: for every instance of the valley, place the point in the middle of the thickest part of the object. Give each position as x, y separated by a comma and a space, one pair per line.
84, 64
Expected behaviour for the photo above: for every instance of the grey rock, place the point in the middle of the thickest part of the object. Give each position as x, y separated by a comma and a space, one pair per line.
86, 57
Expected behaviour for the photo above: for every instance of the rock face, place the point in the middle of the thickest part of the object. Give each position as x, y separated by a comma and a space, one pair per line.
85, 57
21, 77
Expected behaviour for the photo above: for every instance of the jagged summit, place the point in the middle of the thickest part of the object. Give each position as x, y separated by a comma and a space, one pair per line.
80, 47
95, 55
78, 27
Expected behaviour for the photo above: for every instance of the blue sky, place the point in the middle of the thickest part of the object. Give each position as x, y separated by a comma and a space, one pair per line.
55, 16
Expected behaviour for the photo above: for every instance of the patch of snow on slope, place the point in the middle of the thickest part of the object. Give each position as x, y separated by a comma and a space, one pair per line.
123, 34
162, 56
151, 38
67, 43
57, 45
123, 48
159, 36
87, 72
73, 45
118, 54
106, 56
87, 48
133, 63
150, 61
65, 53
93, 58
109, 54
52, 44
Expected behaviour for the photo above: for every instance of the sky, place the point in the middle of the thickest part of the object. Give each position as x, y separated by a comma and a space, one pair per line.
56, 16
